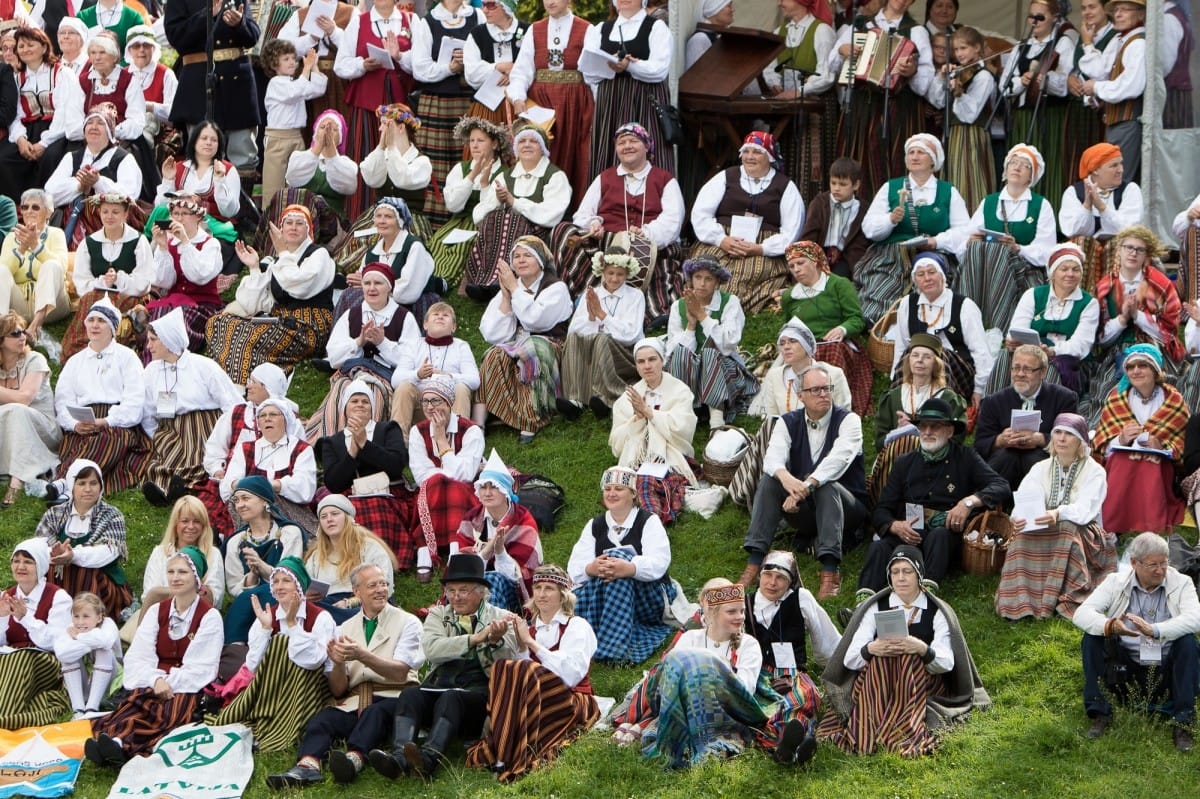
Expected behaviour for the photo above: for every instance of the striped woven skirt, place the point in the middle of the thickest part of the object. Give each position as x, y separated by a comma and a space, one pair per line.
860, 126
888, 710
704, 710
239, 344
449, 260
435, 140
329, 419
574, 116
195, 319
497, 233
757, 279
279, 701
853, 360
882, 277
995, 277
177, 449
350, 254
533, 715
120, 452
142, 719
510, 393
326, 218
1053, 570
75, 337
969, 164
1049, 136
1188, 279
716, 380
1099, 260
801, 703
619, 100
1084, 126
33, 692
884, 461
744, 485
362, 138
809, 146
77, 579
596, 366
1177, 110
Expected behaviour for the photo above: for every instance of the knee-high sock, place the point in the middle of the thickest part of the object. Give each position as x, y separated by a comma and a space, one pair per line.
72, 672
102, 674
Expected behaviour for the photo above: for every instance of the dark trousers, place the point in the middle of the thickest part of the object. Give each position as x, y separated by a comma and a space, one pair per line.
362, 732
465, 710
1169, 687
1014, 464
832, 513
940, 547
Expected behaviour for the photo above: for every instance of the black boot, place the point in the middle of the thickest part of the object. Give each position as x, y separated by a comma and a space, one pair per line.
425, 760
392, 764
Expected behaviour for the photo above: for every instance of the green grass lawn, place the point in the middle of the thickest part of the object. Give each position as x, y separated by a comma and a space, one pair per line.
1031, 743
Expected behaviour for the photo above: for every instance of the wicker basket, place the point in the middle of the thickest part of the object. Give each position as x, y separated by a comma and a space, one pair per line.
882, 351
721, 472
985, 558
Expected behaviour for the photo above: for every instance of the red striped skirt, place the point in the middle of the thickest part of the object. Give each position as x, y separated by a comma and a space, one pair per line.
888, 710
142, 719
77, 579
120, 452
533, 715
852, 360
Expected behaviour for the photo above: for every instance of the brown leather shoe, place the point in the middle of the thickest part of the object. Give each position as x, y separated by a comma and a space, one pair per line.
749, 575
1099, 726
1183, 739
831, 583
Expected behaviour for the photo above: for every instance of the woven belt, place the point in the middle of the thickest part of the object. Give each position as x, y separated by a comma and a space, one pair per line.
324, 63
224, 54
559, 76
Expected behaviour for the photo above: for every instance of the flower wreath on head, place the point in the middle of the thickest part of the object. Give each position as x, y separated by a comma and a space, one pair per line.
399, 113
622, 259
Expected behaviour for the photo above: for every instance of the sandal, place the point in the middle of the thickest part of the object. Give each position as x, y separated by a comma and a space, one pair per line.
11, 496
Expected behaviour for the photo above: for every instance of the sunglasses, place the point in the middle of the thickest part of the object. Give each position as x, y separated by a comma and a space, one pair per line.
491, 5
30, 207
17, 334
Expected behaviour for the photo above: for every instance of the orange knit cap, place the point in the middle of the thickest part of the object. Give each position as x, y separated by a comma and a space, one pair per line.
1097, 156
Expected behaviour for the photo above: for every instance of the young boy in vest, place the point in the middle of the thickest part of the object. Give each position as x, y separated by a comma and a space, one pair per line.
835, 218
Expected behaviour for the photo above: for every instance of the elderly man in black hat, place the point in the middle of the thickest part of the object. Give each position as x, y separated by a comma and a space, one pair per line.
461, 639
929, 496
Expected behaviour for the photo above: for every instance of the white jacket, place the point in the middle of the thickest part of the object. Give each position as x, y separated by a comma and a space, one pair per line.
1111, 599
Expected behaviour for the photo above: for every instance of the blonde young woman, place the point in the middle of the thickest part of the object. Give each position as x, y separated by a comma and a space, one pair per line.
340, 547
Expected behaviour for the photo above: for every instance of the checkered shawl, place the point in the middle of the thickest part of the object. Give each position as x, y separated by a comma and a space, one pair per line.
1167, 424
626, 615
1156, 296
522, 543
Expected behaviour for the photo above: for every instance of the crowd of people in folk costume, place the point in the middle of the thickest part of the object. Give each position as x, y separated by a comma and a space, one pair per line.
405, 155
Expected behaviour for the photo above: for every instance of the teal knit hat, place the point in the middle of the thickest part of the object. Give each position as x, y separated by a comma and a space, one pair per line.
195, 558
294, 568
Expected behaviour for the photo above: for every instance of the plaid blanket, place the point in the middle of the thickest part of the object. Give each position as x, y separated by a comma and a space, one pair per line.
626, 615
1167, 424
537, 367
1157, 297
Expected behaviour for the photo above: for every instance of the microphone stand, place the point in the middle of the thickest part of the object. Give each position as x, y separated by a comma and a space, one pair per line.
848, 95
1048, 56
210, 64
1006, 78
947, 109
885, 133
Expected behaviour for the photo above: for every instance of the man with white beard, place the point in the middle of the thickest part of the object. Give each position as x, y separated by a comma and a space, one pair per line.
929, 496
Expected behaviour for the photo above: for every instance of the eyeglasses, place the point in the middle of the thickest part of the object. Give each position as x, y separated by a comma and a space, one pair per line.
17, 334
429, 402
1135, 250
818, 391
1129, 367
30, 207
491, 6
1024, 370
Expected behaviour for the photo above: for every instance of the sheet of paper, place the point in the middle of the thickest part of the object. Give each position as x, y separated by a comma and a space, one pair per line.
1026, 421
915, 515
491, 93
891, 623
459, 236
657, 470
538, 114
1166, 453
448, 48
1029, 505
598, 63
319, 587
1024, 335
316, 10
82, 413
900, 432
745, 227
382, 56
